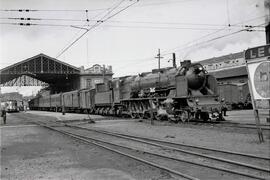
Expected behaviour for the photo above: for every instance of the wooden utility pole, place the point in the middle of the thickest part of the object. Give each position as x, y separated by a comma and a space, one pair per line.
103, 73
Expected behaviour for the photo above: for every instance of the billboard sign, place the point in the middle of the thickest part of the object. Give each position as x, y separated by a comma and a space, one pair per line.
258, 67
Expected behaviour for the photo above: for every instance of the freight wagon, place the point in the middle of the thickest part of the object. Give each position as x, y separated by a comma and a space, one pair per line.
236, 95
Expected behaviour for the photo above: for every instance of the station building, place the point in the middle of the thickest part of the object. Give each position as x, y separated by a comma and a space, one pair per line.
94, 75
229, 68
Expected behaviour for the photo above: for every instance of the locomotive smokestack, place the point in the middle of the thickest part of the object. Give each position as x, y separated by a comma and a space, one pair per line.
174, 60
185, 63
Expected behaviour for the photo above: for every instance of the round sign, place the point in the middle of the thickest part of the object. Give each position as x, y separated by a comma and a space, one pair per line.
262, 79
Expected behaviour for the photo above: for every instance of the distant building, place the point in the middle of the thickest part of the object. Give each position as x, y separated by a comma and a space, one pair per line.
224, 62
11, 96
227, 69
95, 75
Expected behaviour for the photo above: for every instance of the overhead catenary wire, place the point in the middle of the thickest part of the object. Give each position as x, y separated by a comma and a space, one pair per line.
249, 29
143, 60
97, 9
148, 59
87, 23
87, 30
218, 30
97, 24
166, 52
128, 22
51, 10
79, 26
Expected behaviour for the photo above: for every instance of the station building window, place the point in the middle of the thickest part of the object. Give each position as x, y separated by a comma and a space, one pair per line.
88, 83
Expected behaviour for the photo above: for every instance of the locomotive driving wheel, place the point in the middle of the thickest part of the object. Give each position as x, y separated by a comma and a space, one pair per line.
141, 115
133, 115
184, 116
155, 116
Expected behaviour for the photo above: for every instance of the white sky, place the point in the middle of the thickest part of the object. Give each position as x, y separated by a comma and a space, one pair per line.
130, 40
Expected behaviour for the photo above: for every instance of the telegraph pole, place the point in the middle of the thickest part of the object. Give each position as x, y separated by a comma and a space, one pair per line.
158, 57
103, 73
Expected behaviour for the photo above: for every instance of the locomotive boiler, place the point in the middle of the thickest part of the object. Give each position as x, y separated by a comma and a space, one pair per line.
177, 94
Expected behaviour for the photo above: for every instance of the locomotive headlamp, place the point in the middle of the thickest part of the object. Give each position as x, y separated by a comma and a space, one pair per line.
198, 69
197, 101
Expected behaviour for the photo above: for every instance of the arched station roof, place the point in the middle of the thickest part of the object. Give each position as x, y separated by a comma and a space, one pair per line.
40, 67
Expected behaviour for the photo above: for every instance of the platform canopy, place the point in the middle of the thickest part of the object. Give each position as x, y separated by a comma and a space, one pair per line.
39, 70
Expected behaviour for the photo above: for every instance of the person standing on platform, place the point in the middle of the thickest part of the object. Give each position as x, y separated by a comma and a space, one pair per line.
4, 113
223, 107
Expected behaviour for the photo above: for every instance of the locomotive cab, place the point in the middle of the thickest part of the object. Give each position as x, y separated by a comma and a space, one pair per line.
199, 89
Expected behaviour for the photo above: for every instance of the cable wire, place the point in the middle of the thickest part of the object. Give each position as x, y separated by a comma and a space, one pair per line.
87, 23
129, 22
210, 34
219, 37
95, 25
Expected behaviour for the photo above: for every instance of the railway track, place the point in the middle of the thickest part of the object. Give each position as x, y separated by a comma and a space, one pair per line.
172, 144
216, 123
181, 160
246, 125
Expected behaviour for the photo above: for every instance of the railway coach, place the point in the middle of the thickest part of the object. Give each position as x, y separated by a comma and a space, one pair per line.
73, 101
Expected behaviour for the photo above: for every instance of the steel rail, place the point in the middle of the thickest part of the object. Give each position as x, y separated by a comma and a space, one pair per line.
182, 144
176, 159
84, 140
244, 125
251, 127
181, 150
160, 155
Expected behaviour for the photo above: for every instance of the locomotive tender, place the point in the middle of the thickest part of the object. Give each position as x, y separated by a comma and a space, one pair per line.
177, 94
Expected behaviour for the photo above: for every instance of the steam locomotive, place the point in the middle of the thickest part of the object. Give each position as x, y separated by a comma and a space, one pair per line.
175, 94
